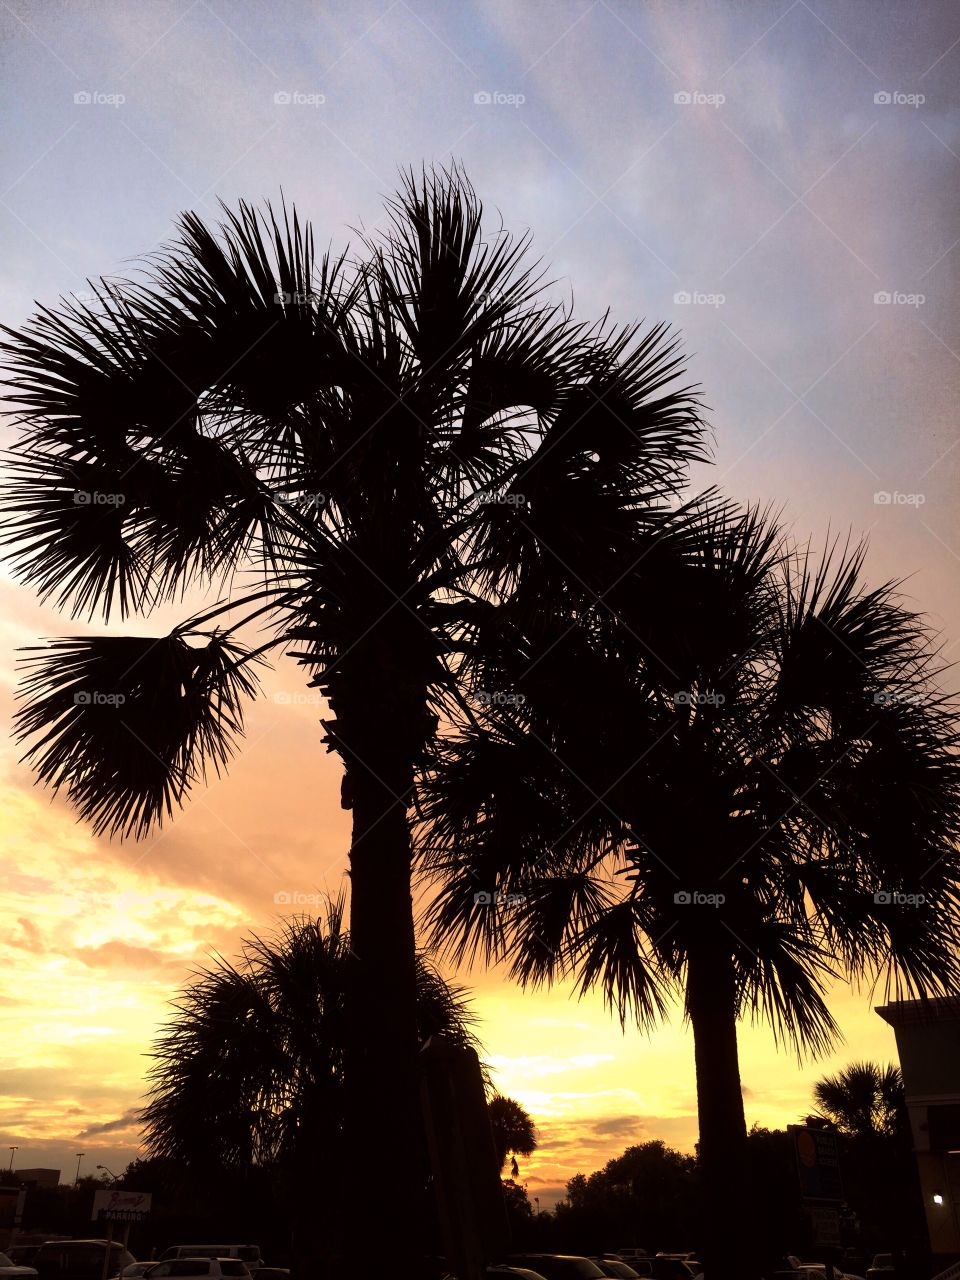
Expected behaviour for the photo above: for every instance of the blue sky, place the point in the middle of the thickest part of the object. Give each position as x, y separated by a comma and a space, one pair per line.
756, 174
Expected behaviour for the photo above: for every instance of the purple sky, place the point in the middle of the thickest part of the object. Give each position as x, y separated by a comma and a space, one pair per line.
782, 166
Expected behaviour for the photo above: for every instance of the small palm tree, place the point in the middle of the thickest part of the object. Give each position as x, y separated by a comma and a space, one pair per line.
864, 1100
362, 454
743, 784
249, 1072
514, 1132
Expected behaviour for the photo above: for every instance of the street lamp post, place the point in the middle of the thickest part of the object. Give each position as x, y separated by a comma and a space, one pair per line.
10, 1166
80, 1155
114, 1176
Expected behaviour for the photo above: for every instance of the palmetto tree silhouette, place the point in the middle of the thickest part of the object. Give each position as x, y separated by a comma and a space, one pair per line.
745, 783
865, 1100
361, 454
250, 1069
514, 1132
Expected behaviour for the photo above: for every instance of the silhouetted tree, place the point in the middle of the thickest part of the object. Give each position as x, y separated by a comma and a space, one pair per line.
864, 1099
732, 778
647, 1196
388, 443
866, 1103
514, 1133
250, 1070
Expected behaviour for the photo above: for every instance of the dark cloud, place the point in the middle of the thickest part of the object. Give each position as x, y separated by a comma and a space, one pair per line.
129, 1120
618, 1126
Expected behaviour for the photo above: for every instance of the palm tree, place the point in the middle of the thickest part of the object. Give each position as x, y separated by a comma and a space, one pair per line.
249, 1072
360, 454
864, 1100
514, 1132
743, 784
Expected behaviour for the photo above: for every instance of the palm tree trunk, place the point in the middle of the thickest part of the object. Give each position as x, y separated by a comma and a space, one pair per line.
384, 1133
729, 1241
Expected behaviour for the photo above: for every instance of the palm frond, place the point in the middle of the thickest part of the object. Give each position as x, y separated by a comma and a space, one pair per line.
127, 724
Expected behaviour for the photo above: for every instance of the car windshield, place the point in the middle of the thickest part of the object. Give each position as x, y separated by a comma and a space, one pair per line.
559, 1268
190, 1267
5, 1261
232, 1267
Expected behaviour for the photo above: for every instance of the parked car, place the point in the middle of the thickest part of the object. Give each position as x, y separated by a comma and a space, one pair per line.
79, 1259
557, 1266
669, 1267
199, 1269
10, 1270
505, 1272
21, 1255
800, 1269
881, 1267
815, 1270
616, 1268
248, 1253
136, 1269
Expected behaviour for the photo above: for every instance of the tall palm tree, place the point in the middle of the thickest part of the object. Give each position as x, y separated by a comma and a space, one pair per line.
514, 1132
249, 1072
743, 784
359, 453
864, 1100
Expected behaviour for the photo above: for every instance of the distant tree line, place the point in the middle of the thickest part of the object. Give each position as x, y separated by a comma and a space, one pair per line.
651, 1195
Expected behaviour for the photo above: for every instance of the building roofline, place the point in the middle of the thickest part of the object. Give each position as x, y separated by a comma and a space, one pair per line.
900, 1013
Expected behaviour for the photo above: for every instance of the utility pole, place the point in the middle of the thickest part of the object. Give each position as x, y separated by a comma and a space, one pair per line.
10, 1166
80, 1155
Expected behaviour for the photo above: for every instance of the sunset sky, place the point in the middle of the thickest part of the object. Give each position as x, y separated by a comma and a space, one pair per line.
778, 164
